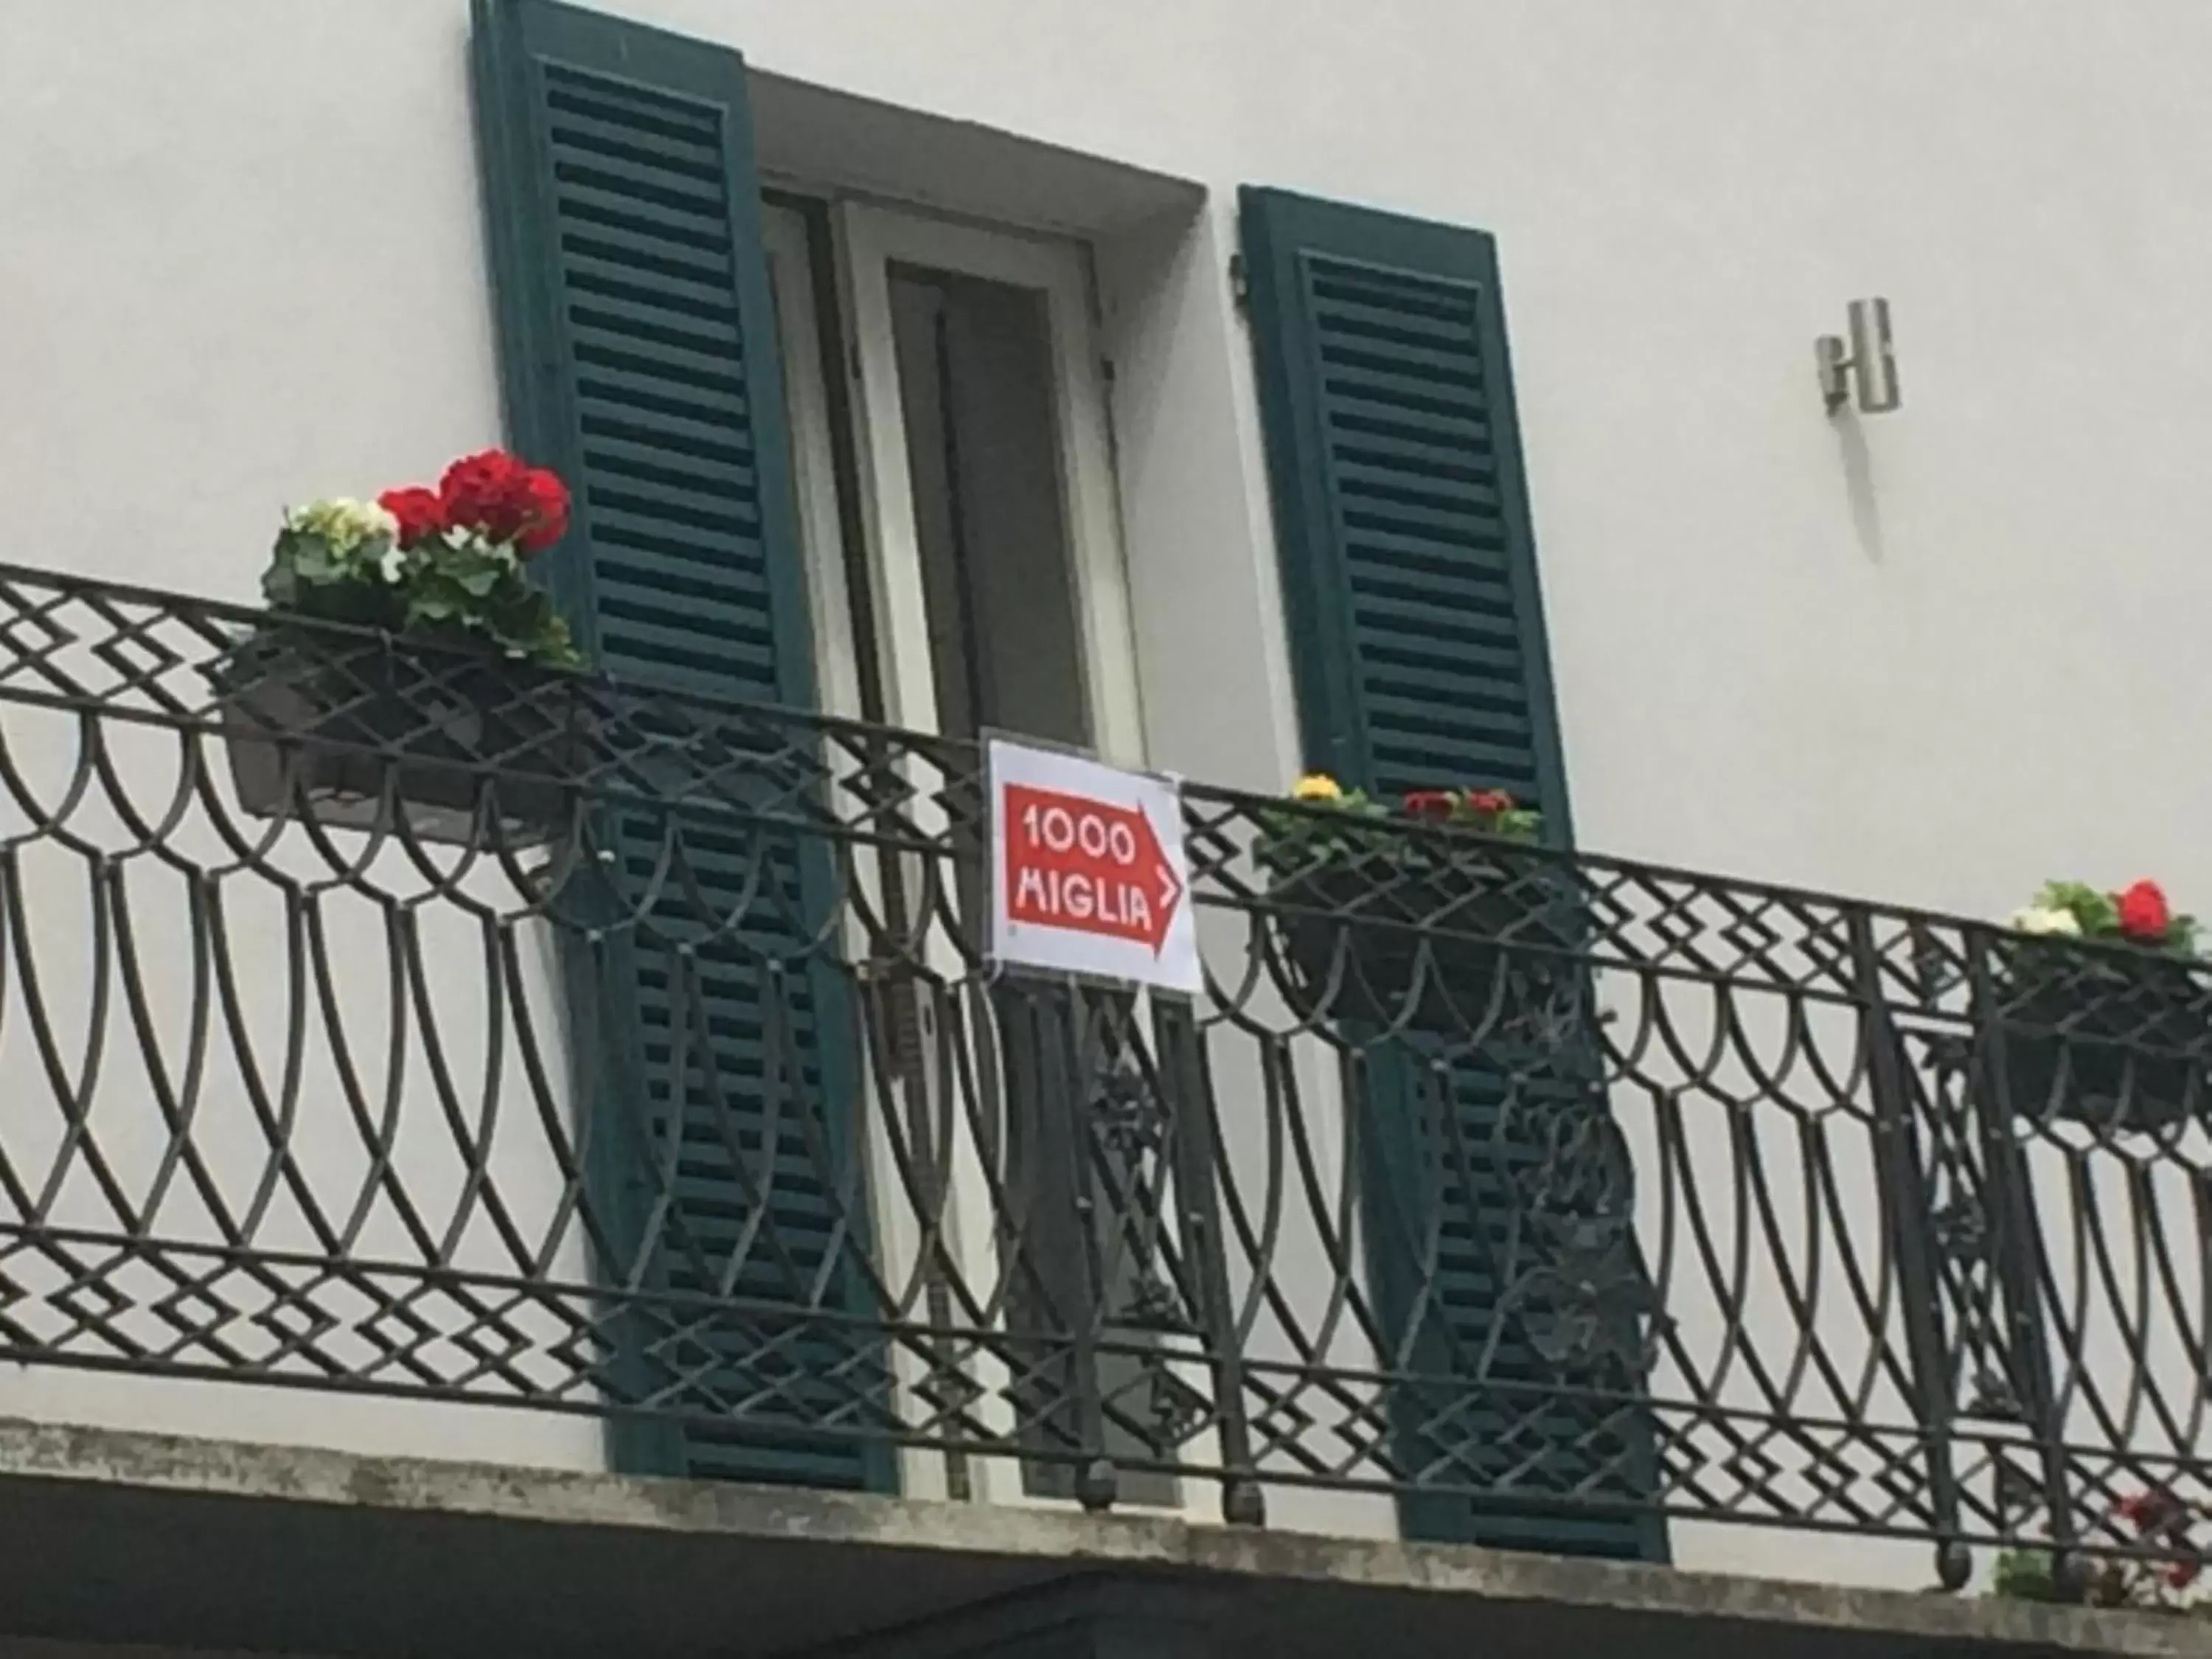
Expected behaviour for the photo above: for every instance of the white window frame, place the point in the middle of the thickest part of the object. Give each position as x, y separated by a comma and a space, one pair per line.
814, 458
873, 238
790, 255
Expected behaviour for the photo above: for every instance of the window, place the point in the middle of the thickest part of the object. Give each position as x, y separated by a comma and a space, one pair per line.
989, 593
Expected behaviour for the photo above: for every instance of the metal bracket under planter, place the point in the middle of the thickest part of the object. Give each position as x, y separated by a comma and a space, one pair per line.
2120, 1025
1498, 944
342, 735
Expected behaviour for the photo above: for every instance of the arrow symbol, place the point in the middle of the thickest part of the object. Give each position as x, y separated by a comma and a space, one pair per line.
1087, 865
1170, 890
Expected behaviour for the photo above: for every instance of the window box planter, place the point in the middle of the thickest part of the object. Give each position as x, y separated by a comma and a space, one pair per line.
440, 706
347, 734
1460, 944
2104, 1031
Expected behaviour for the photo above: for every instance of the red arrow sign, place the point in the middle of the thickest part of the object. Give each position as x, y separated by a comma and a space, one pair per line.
1086, 866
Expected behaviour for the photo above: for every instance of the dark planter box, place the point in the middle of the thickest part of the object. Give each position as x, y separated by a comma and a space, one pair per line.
1490, 942
341, 733
2106, 1033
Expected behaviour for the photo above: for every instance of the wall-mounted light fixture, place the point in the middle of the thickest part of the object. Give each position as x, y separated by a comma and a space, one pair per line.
1872, 359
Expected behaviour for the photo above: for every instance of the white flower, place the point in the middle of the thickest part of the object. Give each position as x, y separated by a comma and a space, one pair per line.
344, 523
393, 564
2040, 919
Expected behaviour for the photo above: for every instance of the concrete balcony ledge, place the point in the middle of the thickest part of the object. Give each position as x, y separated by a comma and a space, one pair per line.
110, 1537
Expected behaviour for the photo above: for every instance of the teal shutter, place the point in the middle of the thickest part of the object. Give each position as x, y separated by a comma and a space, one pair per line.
716, 1077
1419, 656
1409, 569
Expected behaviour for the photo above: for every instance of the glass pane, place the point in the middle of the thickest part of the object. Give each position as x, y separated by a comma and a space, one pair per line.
975, 364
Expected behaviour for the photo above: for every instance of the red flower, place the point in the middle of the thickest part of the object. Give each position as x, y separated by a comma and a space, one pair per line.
2182, 1574
548, 503
505, 499
418, 511
474, 492
1430, 803
1491, 802
2150, 1511
2143, 912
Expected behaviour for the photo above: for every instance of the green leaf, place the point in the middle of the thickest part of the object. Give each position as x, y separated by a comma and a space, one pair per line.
314, 560
2026, 1576
2096, 913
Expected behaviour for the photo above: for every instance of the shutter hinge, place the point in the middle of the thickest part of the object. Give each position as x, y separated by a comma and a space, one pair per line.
1240, 281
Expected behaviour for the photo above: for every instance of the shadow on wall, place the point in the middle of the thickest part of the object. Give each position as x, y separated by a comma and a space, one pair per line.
1858, 489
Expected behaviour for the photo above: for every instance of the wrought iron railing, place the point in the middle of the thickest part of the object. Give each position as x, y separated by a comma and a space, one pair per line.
644, 1066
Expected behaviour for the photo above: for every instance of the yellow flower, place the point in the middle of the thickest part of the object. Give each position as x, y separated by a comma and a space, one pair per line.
1317, 786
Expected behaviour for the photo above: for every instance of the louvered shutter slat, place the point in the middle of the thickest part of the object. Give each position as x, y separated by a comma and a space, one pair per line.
710, 464
1452, 494
638, 354
612, 391
658, 238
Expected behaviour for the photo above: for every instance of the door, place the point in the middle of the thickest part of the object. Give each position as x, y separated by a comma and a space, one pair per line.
989, 595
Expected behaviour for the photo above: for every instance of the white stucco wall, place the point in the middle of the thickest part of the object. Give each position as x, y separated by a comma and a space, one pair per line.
1935, 656
241, 262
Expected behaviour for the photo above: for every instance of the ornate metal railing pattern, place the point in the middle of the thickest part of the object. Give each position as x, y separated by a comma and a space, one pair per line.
1548, 1190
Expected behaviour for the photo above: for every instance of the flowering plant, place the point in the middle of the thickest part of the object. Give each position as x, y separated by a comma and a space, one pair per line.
1491, 812
1390, 928
2137, 915
2158, 1520
434, 563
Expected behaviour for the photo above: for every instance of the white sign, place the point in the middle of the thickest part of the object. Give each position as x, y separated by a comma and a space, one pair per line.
1088, 870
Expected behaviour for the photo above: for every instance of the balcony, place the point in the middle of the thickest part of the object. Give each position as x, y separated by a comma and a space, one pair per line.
1683, 1218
